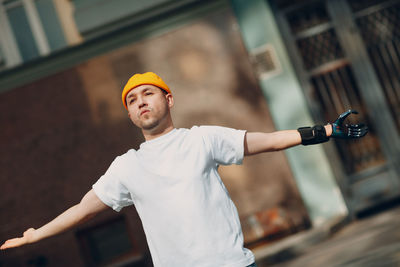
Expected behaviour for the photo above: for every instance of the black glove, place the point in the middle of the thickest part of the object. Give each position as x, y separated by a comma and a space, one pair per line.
348, 131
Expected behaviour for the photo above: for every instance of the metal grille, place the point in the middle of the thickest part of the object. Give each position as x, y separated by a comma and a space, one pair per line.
332, 81
337, 91
319, 49
357, 5
380, 26
381, 33
307, 17
266, 62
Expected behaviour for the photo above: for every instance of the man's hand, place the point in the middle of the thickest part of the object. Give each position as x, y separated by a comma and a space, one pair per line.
348, 131
28, 237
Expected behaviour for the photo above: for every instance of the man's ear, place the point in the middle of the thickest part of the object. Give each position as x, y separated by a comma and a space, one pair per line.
170, 100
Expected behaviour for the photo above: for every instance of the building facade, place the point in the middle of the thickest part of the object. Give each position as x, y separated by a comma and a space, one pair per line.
256, 65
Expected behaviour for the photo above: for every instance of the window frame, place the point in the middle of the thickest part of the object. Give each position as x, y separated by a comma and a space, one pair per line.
8, 44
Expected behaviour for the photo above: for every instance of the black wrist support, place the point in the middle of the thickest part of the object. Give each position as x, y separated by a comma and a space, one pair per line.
313, 135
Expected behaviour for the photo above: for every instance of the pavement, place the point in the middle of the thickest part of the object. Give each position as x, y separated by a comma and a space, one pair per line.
370, 241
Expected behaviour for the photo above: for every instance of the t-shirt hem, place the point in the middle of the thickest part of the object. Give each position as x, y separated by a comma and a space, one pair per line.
242, 263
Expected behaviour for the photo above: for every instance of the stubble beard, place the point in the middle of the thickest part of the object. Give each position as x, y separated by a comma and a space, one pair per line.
150, 124
153, 123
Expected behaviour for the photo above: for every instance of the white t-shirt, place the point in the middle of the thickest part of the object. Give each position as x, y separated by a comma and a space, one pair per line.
187, 214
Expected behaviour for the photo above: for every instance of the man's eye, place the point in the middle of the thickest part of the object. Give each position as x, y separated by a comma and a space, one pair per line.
131, 101
149, 93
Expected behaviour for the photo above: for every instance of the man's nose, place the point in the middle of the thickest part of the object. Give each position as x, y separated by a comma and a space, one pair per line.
141, 102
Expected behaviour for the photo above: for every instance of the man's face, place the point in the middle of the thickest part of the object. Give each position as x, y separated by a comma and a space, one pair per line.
148, 106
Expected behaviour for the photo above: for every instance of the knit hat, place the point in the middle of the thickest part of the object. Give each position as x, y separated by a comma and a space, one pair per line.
140, 79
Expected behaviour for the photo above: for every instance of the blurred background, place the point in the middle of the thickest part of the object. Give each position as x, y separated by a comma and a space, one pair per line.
259, 65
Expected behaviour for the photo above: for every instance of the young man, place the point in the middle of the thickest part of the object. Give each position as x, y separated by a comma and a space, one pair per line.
187, 214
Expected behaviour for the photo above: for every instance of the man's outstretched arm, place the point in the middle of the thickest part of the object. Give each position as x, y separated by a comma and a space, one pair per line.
255, 143
89, 206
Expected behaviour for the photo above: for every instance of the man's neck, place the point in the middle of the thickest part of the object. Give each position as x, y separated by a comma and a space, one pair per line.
152, 134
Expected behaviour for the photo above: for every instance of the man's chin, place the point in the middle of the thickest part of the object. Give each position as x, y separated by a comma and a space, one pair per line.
148, 126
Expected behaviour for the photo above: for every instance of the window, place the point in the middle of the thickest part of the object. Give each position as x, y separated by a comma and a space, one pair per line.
29, 29
109, 243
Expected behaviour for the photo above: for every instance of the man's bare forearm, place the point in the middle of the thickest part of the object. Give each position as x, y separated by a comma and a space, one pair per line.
256, 142
89, 206
65, 221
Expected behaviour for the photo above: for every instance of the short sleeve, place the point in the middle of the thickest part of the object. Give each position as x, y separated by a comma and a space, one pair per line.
109, 188
226, 144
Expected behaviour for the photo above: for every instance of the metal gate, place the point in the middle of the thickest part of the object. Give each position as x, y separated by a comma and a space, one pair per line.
347, 56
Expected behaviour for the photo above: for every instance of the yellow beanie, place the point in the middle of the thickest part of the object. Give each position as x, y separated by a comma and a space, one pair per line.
140, 79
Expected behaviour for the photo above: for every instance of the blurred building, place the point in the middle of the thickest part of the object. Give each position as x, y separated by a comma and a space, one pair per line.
257, 65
